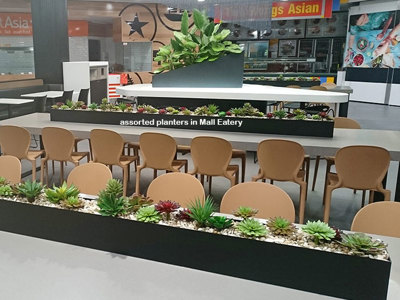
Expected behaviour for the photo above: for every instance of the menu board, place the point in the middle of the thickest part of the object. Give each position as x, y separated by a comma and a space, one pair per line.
284, 29
329, 27
373, 40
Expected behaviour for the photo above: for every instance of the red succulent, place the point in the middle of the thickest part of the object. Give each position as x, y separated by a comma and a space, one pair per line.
183, 215
270, 115
323, 114
59, 104
228, 113
162, 111
140, 110
182, 108
84, 107
167, 207
290, 115
128, 105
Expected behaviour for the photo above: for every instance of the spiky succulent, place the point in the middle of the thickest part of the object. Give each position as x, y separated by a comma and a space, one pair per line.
3, 181
167, 207
245, 212
280, 226
57, 194
219, 223
111, 205
6, 191
138, 201
280, 114
148, 214
30, 190
252, 228
201, 211
114, 187
320, 231
361, 244
72, 203
183, 215
213, 109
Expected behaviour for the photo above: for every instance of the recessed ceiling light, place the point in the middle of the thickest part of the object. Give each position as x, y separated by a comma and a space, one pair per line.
201, 0
109, 6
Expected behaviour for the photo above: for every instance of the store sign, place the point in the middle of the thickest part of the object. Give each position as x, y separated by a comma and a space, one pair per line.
20, 24
301, 9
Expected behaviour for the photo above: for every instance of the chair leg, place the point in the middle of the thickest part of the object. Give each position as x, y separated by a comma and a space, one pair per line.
34, 170
316, 167
354, 191
363, 199
137, 188
209, 184
303, 190
202, 179
125, 180
243, 167
154, 174
61, 172
327, 201
90, 150
271, 181
186, 167
371, 196
129, 172
263, 180
328, 169
52, 166
42, 163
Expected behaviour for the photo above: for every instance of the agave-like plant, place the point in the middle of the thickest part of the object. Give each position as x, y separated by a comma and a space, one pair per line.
320, 231
72, 203
252, 228
201, 211
219, 222
30, 189
114, 187
138, 201
57, 194
280, 226
361, 244
111, 205
245, 212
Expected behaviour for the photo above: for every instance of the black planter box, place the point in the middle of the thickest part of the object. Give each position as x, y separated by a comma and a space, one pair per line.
249, 125
283, 83
226, 72
310, 270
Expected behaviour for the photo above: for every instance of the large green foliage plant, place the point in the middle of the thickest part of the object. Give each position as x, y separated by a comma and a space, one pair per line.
203, 42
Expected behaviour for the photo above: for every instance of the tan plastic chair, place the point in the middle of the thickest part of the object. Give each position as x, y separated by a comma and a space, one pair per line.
328, 85
59, 144
211, 157
293, 86
90, 178
382, 218
340, 122
282, 160
10, 168
270, 201
179, 187
318, 88
107, 147
158, 152
16, 141
358, 168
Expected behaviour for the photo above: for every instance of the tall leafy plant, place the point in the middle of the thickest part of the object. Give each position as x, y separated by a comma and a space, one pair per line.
203, 42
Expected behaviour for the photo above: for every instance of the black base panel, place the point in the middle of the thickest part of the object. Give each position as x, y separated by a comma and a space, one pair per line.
283, 83
249, 125
226, 72
310, 270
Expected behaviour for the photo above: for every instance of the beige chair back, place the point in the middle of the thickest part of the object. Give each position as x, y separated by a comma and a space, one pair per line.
270, 201
362, 167
107, 146
328, 85
293, 86
14, 141
341, 122
179, 187
210, 155
10, 168
318, 88
382, 218
280, 159
90, 178
58, 143
158, 150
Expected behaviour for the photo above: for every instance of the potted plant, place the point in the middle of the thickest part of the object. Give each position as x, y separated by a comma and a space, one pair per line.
199, 52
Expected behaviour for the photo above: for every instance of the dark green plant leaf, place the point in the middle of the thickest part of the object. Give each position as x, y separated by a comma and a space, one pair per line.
198, 18
185, 23
208, 31
175, 45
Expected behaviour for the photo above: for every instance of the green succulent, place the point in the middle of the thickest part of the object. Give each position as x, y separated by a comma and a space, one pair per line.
79, 104
3, 181
104, 101
219, 223
148, 214
320, 231
203, 42
281, 226
112, 205
300, 117
93, 106
201, 211
138, 201
316, 117
170, 109
299, 112
113, 187
6, 191
64, 107
70, 104
122, 106
245, 212
57, 194
72, 202
201, 111
30, 190
187, 112
149, 109
280, 114
213, 109
237, 112
252, 228
361, 244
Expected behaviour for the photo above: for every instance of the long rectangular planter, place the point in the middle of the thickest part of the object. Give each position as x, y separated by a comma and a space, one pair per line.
231, 124
305, 269
225, 72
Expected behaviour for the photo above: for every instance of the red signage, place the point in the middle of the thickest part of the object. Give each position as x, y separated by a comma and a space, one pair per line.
20, 24
302, 9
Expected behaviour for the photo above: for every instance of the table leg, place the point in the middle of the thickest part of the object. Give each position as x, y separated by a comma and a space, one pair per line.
343, 109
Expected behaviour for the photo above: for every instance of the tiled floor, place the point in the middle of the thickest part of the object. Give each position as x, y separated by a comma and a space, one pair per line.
345, 204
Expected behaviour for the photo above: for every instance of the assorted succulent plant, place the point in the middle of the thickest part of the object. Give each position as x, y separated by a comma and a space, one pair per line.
3, 181
148, 214
30, 190
319, 231
245, 212
167, 208
361, 244
113, 187
58, 194
6, 191
280, 226
220, 222
252, 228
72, 203
183, 215
112, 205
201, 211
138, 201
